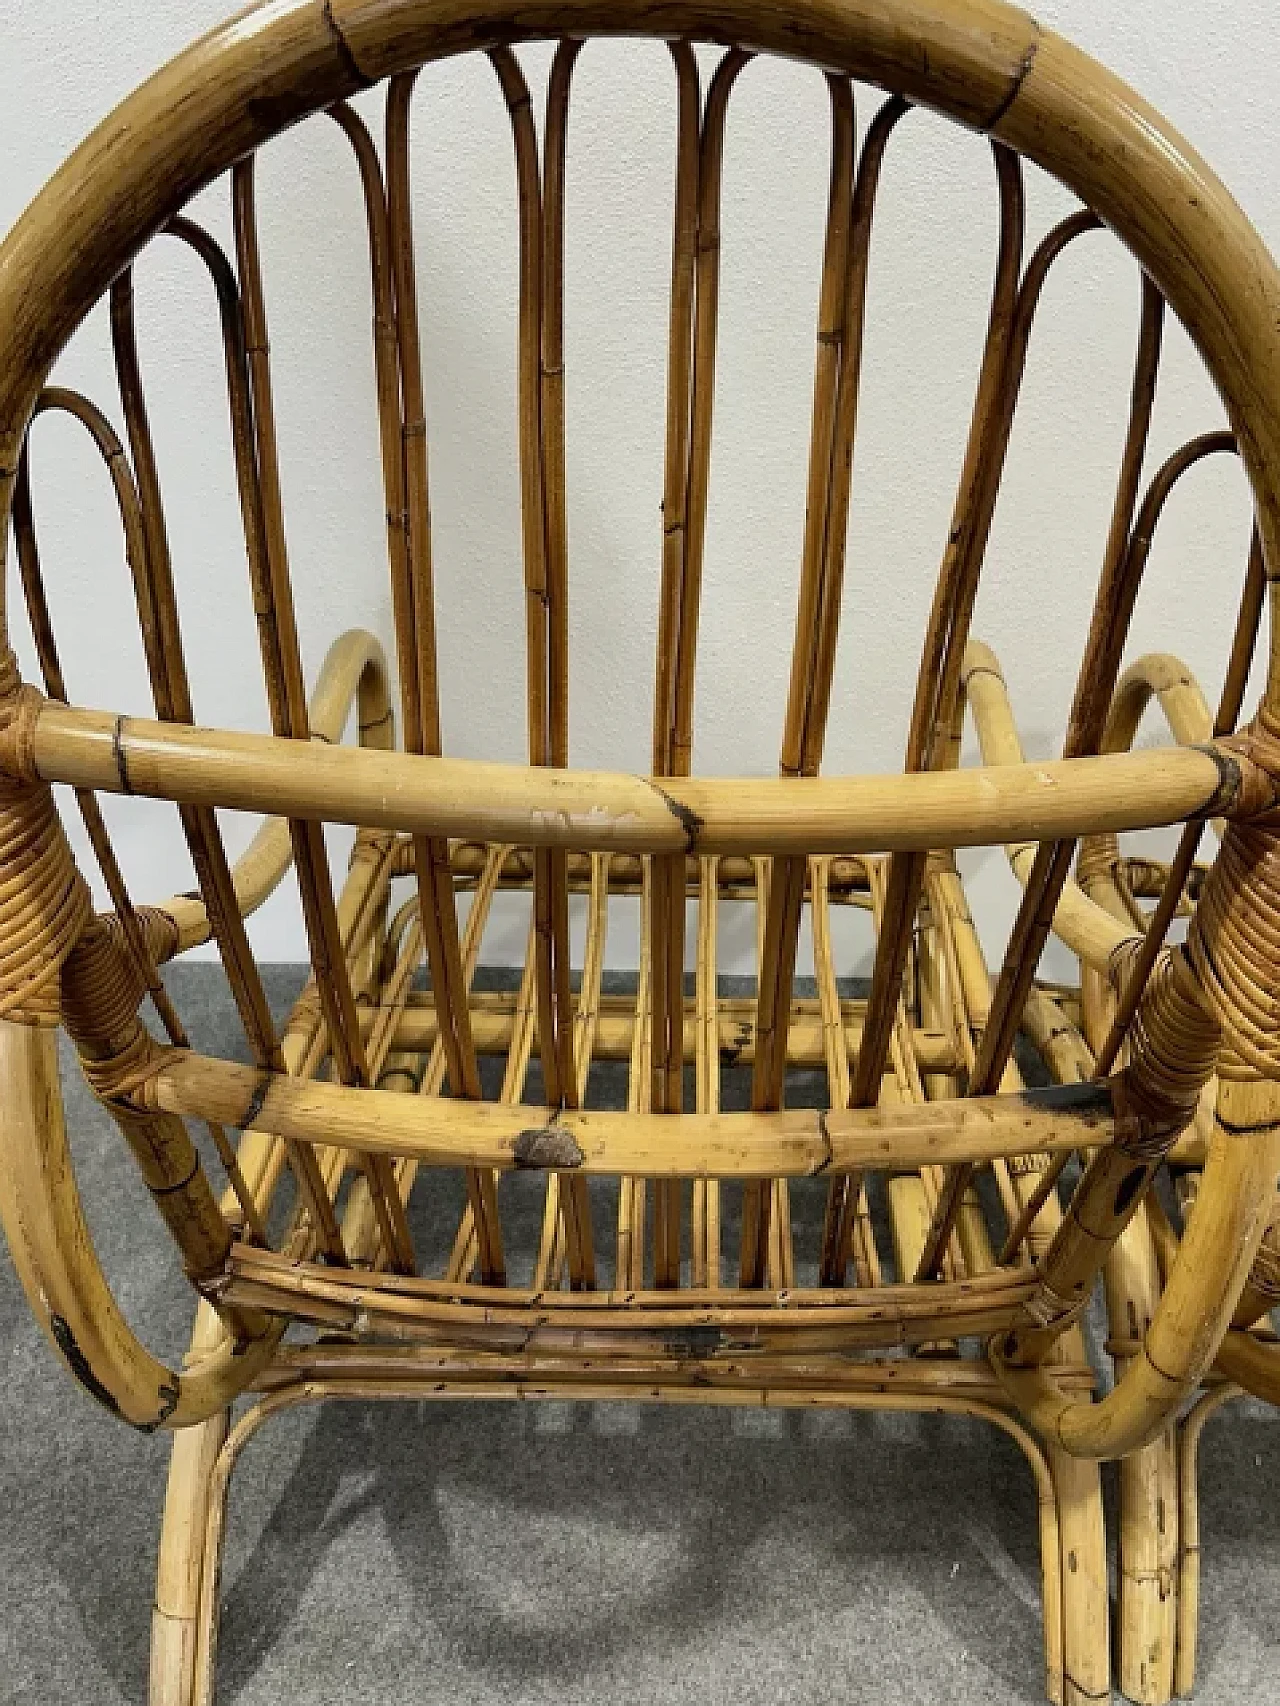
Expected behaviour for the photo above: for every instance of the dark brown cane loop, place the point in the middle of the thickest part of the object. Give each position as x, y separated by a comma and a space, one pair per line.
44, 902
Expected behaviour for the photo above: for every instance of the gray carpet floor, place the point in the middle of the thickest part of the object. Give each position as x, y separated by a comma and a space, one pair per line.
599, 1554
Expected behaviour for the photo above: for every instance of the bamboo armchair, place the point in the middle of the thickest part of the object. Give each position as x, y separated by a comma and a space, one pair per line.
709, 1284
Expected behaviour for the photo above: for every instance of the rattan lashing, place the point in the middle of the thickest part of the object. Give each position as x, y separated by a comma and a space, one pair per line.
923, 1092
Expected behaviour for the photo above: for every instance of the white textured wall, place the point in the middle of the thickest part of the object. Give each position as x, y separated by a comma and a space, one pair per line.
63, 66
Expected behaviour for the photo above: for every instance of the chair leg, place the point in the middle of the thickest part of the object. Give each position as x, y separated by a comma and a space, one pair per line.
1086, 1636
1148, 1553
1148, 1483
1184, 1678
175, 1619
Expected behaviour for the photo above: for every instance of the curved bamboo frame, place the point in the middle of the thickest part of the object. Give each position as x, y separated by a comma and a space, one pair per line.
1060, 1532
40, 1207
989, 65
69, 1295
1159, 1607
992, 68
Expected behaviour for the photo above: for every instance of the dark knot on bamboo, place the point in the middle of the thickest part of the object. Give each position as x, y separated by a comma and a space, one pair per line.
44, 902
549, 1147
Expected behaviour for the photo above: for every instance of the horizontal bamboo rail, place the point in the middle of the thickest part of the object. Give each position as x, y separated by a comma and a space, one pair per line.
689, 1326
847, 879
495, 1016
921, 1375
795, 1143
606, 811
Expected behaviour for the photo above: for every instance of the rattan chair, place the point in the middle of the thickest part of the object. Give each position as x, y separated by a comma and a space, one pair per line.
708, 1289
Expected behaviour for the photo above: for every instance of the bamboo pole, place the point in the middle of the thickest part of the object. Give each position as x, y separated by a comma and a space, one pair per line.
494, 1016
603, 812
788, 1144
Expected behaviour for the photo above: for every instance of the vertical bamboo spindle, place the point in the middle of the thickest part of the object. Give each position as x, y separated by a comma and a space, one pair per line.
166, 665
812, 662
257, 473
1123, 562
954, 595
404, 438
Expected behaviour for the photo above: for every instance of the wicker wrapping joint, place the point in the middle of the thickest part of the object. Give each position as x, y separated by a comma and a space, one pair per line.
1208, 1006
1099, 857
1264, 1277
1173, 1051
1232, 941
1174, 1048
44, 902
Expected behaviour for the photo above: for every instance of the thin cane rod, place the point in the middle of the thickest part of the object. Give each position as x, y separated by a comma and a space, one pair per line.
666, 888
550, 908
445, 954
817, 611
244, 329
838, 1226
250, 387
693, 335
1244, 642
706, 311
134, 933
1124, 561
706, 1192
954, 595
402, 435
953, 600
166, 665
556, 556
480, 1234
680, 335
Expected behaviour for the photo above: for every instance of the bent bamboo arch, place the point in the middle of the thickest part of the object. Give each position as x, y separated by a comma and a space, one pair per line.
984, 63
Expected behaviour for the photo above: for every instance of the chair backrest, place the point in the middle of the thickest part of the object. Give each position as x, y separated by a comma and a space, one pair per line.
980, 62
